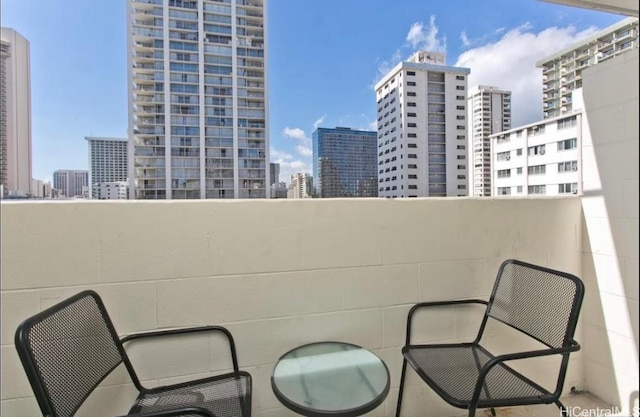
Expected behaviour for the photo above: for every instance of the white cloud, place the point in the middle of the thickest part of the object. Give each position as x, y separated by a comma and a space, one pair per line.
288, 165
304, 142
465, 40
509, 63
318, 122
426, 38
295, 133
419, 37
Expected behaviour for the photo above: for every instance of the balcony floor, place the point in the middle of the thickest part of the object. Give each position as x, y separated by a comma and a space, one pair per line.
582, 404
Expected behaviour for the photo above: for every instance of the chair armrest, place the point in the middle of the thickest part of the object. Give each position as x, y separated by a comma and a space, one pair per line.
176, 412
187, 330
573, 346
419, 306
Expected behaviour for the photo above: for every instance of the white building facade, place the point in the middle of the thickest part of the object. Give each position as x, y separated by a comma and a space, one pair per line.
301, 186
562, 71
489, 112
198, 117
422, 129
540, 159
118, 190
71, 183
15, 114
107, 161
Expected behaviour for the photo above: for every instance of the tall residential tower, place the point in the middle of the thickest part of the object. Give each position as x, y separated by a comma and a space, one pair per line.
107, 162
15, 114
344, 163
489, 112
562, 71
422, 129
198, 118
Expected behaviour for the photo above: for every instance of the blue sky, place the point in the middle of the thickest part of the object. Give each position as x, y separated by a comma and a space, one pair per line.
324, 57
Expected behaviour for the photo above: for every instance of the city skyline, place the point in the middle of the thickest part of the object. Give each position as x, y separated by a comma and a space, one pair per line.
77, 95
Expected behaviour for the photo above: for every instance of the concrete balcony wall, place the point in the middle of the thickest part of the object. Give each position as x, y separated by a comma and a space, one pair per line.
610, 206
277, 273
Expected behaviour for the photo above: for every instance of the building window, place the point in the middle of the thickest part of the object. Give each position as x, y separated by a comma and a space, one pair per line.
570, 188
412, 176
412, 145
411, 115
462, 167
504, 190
411, 93
412, 125
412, 135
537, 170
537, 189
461, 157
460, 117
504, 173
412, 166
460, 87
568, 166
563, 145
536, 130
503, 156
413, 187
411, 73
519, 189
461, 147
411, 83
459, 77
462, 187
519, 171
536, 150
460, 98
519, 152
411, 104
568, 122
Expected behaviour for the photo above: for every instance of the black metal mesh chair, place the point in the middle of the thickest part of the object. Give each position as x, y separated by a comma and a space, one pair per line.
68, 349
539, 302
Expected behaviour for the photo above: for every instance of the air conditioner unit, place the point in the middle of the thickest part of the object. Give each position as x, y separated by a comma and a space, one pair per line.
542, 152
508, 158
574, 192
574, 168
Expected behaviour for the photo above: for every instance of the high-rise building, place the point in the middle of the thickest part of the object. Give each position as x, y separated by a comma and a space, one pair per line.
274, 173
422, 128
15, 114
71, 183
562, 71
107, 162
301, 186
542, 158
488, 112
344, 163
198, 117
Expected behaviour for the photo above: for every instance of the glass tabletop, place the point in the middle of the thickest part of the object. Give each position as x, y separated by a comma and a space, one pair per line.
330, 378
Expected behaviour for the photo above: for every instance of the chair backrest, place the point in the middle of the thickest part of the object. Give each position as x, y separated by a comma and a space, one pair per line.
540, 302
66, 351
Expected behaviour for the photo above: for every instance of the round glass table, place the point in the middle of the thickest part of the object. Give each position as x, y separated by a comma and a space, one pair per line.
330, 379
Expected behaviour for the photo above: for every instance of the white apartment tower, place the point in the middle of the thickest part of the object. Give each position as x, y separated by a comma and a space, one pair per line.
107, 162
198, 117
300, 186
562, 71
489, 112
422, 129
71, 183
15, 115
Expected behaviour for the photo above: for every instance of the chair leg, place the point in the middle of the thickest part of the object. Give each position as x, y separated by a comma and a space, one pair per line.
472, 410
564, 412
493, 412
401, 389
